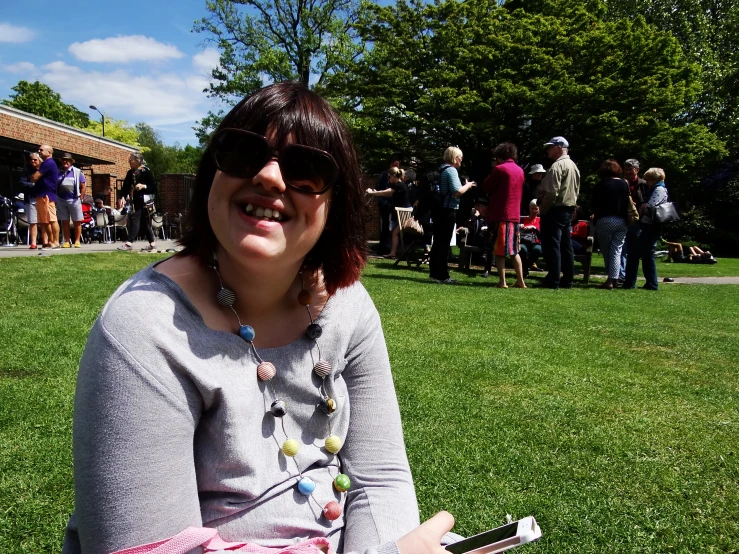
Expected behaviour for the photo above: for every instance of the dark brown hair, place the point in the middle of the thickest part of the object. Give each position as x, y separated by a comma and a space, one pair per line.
609, 168
505, 151
291, 110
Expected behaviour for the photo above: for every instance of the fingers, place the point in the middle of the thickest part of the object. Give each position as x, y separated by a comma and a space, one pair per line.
437, 526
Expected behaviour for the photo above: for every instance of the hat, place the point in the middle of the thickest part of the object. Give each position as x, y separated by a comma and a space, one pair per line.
67, 156
537, 168
558, 141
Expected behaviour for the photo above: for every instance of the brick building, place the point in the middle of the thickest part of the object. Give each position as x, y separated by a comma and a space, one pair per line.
103, 161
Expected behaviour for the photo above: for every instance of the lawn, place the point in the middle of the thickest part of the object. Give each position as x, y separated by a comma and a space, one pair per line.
611, 416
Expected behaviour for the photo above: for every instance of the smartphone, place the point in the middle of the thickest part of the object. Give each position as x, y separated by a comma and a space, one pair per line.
500, 539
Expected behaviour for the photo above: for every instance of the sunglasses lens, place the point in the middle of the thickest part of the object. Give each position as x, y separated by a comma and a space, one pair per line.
307, 169
239, 153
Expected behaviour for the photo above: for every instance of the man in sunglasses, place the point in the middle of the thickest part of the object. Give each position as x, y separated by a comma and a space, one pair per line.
46, 179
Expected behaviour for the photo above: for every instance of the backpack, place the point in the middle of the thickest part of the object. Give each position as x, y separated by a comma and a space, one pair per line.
437, 198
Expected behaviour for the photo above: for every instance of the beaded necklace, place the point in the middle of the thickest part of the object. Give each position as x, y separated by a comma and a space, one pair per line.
278, 408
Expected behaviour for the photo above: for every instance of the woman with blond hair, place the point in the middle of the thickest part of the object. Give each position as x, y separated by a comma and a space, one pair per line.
644, 244
451, 190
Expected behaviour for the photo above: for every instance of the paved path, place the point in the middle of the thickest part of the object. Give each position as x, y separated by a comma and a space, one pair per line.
22, 250
706, 280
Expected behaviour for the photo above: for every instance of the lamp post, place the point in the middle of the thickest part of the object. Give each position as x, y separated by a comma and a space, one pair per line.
101, 115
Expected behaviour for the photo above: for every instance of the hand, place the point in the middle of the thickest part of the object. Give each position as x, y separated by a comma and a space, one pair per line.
426, 538
370, 191
140, 186
472, 183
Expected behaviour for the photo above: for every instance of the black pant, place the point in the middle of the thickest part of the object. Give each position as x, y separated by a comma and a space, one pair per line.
556, 245
386, 211
444, 223
135, 220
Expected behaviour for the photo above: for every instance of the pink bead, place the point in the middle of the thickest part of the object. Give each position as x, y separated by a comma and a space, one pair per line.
265, 371
322, 368
332, 511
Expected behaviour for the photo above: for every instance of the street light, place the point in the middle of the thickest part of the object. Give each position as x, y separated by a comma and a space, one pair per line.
101, 115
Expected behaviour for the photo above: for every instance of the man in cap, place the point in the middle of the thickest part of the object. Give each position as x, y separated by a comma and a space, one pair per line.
558, 194
46, 185
530, 189
69, 203
638, 191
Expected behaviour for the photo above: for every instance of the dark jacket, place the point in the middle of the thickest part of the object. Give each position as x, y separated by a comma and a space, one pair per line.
638, 192
142, 175
610, 197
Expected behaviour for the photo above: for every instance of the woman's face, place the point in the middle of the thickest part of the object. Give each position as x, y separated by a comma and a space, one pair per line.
239, 213
457, 162
35, 162
134, 163
651, 181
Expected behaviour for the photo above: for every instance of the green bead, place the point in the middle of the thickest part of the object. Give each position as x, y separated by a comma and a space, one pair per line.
342, 483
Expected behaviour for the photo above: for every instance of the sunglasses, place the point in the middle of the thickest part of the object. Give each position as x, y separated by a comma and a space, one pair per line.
243, 154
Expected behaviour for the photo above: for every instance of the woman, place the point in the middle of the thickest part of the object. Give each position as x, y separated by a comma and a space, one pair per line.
531, 238
216, 387
139, 182
451, 189
645, 242
29, 201
398, 191
609, 203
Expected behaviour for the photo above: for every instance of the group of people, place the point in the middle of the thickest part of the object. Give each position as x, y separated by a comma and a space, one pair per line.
522, 219
54, 196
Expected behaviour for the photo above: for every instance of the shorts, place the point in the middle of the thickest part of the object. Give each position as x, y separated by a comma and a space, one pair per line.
45, 210
31, 214
507, 240
393, 224
69, 209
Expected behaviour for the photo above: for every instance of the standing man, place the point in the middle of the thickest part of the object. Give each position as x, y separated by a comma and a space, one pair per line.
504, 186
29, 199
559, 190
385, 205
638, 191
69, 202
138, 183
46, 179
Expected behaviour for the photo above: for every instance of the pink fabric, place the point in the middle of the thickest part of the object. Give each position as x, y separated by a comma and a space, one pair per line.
192, 537
504, 185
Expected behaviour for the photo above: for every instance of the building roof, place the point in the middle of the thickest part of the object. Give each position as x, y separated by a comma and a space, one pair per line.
28, 147
14, 112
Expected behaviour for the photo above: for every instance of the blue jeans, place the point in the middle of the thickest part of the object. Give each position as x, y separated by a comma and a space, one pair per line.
632, 231
642, 246
556, 245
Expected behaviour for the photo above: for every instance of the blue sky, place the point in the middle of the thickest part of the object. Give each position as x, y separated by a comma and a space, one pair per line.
135, 60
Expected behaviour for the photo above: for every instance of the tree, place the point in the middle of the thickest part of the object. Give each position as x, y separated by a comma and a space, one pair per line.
116, 129
161, 158
38, 98
269, 41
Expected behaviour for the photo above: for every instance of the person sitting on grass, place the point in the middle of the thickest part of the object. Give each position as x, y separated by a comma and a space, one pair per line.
680, 254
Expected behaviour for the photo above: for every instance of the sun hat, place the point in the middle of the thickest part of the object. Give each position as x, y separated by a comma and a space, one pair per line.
537, 168
67, 156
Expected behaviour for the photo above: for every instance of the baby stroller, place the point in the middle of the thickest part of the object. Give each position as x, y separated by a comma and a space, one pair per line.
88, 223
9, 224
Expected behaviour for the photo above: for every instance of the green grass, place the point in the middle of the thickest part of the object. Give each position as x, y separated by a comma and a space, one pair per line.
726, 267
611, 416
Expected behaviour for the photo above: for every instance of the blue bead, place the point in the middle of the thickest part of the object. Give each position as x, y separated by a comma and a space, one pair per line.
306, 486
246, 332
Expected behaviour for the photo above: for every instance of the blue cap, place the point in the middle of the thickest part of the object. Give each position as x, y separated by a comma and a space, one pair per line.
558, 141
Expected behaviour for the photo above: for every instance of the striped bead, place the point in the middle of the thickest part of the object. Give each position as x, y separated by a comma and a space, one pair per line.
226, 297
322, 368
265, 371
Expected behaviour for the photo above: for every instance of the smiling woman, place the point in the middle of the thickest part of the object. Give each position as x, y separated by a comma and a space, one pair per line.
244, 384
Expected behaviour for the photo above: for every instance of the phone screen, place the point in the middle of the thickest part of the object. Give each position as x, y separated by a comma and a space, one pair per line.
484, 539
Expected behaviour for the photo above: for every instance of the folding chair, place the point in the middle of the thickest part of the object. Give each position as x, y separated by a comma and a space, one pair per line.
408, 237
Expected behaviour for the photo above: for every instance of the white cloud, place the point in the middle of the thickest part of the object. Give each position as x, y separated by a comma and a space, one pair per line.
124, 49
20, 68
11, 33
206, 61
157, 99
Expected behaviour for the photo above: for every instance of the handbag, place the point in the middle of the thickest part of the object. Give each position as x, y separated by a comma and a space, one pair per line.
632, 214
209, 541
665, 213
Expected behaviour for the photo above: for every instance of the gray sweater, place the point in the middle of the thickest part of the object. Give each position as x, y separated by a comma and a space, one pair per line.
171, 429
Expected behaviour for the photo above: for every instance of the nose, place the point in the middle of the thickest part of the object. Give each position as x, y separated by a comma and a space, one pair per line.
270, 177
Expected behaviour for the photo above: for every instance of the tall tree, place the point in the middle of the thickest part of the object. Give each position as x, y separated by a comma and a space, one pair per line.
40, 99
116, 129
275, 40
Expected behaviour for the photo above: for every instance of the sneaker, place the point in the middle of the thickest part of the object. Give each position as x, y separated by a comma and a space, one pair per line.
66, 245
485, 274
434, 280
57, 247
33, 247
77, 245
125, 247
149, 248
448, 281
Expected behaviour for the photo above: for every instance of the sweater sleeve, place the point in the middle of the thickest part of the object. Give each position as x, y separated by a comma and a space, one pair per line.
133, 447
381, 506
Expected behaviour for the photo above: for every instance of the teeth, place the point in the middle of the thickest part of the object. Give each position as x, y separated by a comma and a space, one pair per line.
249, 208
276, 215
259, 212
267, 212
